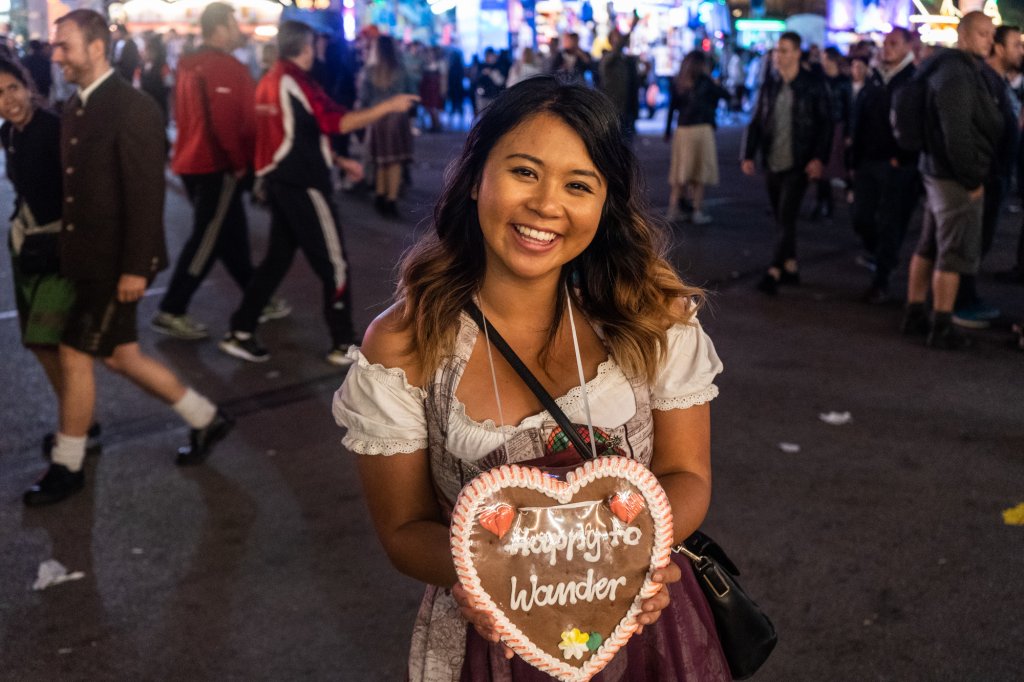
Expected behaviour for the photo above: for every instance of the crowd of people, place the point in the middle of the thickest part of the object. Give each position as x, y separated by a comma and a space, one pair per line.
818, 119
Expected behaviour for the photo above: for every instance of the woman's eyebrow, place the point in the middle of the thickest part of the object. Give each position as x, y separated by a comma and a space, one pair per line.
534, 159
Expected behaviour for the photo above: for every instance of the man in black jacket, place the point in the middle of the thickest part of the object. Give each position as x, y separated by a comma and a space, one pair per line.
886, 181
791, 129
962, 127
111, 247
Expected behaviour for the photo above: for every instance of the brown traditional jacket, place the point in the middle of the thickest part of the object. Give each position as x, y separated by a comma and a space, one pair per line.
113, 153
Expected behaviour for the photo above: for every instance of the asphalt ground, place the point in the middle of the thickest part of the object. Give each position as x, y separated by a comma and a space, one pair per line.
879, 549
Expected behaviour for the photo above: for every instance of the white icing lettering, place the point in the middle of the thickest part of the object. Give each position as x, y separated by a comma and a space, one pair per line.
586, 590
586, 540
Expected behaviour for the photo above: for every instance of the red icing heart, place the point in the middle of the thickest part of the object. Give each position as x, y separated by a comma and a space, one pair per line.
565, 613
626, 505
497, 518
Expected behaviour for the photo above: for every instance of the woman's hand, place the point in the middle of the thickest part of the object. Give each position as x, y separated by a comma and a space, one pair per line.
484, 622
651, 608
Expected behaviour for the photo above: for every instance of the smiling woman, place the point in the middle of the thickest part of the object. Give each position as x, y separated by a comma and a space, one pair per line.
541, 221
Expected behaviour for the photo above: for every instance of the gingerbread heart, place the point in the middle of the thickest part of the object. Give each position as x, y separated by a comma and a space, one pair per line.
565, 580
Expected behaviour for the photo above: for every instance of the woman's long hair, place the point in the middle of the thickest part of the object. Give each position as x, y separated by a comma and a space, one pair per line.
388, 65
693, 66
621, 281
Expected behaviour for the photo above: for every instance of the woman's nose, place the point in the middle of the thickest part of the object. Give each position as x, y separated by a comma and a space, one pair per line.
544, 199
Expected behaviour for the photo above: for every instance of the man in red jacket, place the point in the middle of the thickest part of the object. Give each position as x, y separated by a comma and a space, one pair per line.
294, 117
214, 99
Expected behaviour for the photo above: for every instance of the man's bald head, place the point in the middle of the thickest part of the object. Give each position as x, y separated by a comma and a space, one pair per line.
976, 33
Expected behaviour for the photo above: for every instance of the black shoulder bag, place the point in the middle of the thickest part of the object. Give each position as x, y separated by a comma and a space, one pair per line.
745, 632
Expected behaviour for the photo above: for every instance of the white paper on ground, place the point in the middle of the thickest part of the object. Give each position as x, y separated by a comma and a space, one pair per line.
791, 448
836, 418
52, 572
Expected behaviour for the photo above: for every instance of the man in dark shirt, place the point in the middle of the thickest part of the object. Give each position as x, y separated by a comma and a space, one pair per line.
791, 129
112, 245
962, 128
886, 181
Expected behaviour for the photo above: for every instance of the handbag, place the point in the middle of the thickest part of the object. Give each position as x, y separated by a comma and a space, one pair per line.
746, 634
744, 630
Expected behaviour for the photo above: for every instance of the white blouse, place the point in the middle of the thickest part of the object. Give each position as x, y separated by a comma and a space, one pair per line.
385, 415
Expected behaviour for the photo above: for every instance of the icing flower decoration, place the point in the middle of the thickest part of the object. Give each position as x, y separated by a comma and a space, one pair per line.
574, 644
594, 643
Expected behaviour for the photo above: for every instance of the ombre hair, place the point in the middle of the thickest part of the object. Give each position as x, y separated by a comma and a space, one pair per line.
622, 281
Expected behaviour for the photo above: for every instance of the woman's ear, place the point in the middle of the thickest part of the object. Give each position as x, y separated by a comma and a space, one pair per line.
475, 192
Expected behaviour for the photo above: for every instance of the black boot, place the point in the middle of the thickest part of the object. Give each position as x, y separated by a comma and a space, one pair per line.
201, 441
56, 484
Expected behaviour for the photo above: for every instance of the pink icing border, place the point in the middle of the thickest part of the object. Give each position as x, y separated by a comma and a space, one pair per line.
514, 476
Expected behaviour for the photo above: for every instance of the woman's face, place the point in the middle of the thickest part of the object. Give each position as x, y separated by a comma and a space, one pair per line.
15, 101
539, 199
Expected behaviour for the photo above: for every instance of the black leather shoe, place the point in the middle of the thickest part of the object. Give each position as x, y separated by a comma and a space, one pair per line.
93, 445
947, 338
915, 323
768, 284
201, 441
790, 278
56, 484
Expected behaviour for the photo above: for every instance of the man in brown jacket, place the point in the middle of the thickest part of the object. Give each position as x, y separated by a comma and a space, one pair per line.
112, 245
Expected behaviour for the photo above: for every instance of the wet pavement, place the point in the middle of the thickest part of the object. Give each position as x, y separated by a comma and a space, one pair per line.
879, 548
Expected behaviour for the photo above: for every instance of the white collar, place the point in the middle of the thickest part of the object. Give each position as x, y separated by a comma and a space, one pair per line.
84, 93
889, 75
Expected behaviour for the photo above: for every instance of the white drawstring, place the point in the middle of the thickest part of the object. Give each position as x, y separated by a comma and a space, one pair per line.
579, 367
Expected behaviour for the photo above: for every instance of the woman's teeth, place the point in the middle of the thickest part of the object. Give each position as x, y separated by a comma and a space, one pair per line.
535, 234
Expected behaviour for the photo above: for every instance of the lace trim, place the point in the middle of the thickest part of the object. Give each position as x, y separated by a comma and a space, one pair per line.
396, 372
383, 446
567, 402
683, 401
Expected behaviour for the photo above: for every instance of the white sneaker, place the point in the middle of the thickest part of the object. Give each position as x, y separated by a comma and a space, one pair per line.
247, 348
700, 218
275, 310
339, 356
179, 326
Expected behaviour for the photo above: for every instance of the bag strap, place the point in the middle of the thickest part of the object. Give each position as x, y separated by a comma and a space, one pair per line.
531, 381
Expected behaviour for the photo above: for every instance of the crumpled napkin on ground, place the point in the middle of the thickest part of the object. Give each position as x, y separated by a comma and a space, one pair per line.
53, 572
836, 418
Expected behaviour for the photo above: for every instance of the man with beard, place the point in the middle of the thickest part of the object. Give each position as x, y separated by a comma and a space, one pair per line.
112, 245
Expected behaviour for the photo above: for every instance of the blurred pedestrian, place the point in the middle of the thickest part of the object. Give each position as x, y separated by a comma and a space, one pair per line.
215, 112
456, 91
620, 78
694, 163
791, 130
886, 187
155, 74
962, 127
112, 246
432, 85
390, 137
125, 58
525, 67
834, 66
294, 118
31, 140
571, 60
37, 61
970, 310
488, 81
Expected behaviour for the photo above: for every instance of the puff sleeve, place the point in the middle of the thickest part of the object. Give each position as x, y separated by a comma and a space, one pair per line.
687, 372
383, 413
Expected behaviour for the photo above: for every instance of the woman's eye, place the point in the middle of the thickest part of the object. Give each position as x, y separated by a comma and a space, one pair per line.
525, 172
579, 187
